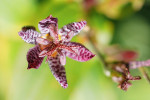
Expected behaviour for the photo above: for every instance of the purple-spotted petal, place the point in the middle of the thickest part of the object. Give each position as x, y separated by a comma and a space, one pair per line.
49, 25
54, 33
42, 41
43, 53
138, 64
58, 70
63, 59
45, 24
70, 30
83, 54
34, 61
29, 34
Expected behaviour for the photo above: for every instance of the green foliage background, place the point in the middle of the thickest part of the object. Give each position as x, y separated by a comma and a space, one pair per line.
87, 80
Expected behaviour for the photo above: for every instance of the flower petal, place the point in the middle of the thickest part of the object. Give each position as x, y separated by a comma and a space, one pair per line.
42, 41
138, 64
43, 53
128, 55
83, 53
58, 70
45, 24
70, 30
49, 25
28, 34
34, 61
62, 58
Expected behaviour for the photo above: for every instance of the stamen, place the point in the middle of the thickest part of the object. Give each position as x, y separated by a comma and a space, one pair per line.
59, 37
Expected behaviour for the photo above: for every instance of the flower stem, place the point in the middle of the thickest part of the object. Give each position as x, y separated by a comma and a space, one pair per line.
145, 74
95, 47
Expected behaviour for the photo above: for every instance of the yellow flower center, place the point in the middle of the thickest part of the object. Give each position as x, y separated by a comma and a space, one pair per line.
47, 36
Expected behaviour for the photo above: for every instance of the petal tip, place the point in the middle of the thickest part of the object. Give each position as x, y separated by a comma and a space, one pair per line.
20, 34
93, 55
29, 67
49, 16
52, 19
90, 57
84, 22
64, 86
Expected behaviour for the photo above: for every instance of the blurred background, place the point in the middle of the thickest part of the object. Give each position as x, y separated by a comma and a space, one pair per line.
123, 23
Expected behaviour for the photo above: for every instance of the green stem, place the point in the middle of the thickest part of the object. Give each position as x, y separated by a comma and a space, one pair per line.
99, 54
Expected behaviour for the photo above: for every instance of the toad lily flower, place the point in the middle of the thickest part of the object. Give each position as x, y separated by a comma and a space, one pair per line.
55, 44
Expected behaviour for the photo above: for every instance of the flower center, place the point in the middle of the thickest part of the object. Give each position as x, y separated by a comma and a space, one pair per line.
52, 49
54, 54
48, 37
